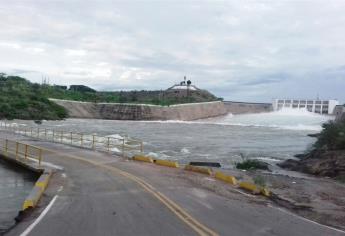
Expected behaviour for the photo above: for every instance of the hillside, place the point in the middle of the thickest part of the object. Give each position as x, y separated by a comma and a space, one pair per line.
156, 97
20, 99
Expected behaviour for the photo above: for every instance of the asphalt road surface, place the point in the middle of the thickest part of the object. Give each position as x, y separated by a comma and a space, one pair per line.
93, 193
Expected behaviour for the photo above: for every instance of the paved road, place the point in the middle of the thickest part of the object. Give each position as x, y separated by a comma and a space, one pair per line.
100, 194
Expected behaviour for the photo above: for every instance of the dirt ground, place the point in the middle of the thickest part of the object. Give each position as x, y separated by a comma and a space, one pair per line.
318, 199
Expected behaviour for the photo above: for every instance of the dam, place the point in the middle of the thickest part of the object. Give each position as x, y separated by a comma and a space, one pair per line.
184, 112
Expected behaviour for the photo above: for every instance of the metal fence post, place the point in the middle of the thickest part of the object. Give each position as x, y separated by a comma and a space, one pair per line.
26, 152
141, 147
6, 146
31, 131
71, 138
61, 138
123, 147
17, 150
53, 135
93, 141
39, 157
81, 140
108, 144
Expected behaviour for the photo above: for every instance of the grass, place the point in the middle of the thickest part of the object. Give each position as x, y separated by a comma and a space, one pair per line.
251, 165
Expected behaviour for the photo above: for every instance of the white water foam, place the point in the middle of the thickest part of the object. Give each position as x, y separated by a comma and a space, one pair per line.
286, 119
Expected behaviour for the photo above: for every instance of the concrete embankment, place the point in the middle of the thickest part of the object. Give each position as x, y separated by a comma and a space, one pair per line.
339, 112
246, 107
118, 111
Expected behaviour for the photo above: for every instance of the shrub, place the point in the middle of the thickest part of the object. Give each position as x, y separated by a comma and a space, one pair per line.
332, 137
251, 165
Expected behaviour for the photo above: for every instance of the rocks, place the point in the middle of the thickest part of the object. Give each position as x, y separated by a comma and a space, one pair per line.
320, 163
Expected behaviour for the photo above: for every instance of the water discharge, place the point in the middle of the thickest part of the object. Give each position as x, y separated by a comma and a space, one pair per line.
272, 137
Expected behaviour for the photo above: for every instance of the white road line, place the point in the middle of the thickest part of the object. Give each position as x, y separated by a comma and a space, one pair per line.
32, 226
305, 219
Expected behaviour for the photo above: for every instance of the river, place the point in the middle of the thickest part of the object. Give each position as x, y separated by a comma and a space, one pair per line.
15, 185
271, 137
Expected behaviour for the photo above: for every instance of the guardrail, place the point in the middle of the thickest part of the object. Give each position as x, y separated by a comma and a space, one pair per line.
21, 151
96, 142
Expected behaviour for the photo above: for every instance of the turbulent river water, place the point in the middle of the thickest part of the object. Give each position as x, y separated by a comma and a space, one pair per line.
15, 185
272, 137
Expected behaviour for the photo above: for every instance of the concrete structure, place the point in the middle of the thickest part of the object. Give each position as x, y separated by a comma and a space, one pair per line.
339, 112
184, 85
122, 111
247, 107
317, 106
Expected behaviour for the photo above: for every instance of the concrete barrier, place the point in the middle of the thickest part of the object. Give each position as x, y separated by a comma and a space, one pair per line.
250, 187
43, 180
33, 198
173, 164
198, 169
142, 158
227, 178
265, 192
37, 191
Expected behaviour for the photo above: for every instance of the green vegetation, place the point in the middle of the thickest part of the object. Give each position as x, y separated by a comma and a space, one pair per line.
20, 99
135, 97
251, 165
332, 136
259, 180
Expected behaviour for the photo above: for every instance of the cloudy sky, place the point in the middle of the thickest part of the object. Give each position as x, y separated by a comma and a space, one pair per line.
239, 50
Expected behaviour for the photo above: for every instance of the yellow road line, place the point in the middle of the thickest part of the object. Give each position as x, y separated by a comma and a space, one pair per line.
177, 210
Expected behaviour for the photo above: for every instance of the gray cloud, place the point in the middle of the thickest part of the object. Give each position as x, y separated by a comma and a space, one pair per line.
251, 51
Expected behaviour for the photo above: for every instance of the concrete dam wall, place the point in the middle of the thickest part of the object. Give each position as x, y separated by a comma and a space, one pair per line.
339, 112
119, 111
245, 107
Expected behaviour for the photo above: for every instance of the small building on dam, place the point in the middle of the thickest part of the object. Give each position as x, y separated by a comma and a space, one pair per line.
316, 106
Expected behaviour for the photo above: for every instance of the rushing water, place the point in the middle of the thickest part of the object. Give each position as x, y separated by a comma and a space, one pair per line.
15, 185
271, 136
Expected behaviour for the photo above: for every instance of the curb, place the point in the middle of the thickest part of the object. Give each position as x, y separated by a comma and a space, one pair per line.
226, 178
248, 186
173, 164
143, 158
36, 193
202, 170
